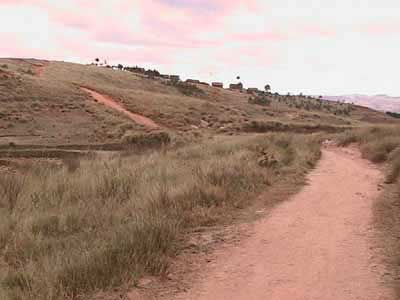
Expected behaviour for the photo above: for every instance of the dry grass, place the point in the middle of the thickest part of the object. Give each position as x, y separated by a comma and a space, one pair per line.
64, 235
378, 144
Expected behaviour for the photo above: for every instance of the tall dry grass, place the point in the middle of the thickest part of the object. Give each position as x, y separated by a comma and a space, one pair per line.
66, 233
379, 144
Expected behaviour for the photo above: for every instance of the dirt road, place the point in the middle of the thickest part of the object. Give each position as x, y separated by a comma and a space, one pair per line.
108, 101
317, 245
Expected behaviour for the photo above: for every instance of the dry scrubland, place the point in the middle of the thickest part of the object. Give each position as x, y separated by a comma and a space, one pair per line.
381, 144
71, 231
74, 226
51, 109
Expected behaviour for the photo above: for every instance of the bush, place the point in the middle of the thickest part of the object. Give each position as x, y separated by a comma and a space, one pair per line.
158, 138
393, 114
260, 100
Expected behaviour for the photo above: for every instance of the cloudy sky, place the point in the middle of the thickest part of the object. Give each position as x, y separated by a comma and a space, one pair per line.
309, 46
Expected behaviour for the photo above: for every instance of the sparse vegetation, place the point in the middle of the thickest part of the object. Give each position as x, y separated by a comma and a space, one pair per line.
186, 89
61, 113
260, 100
113, 220
261, 126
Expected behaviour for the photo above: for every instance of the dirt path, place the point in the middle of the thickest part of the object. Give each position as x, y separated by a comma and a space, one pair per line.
318, 245
39, 69
108, 101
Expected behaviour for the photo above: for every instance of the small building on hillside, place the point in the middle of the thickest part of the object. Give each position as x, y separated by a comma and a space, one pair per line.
236, 86
253, 90
218, 85
175, 77
194, 81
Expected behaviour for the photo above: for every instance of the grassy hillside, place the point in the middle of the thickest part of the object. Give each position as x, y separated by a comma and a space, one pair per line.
42, 104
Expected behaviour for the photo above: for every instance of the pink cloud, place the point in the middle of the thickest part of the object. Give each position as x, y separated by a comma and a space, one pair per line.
16, 47
204, 7
260, 36
315, 31
178, 26
80, 48
248, 56
16, 2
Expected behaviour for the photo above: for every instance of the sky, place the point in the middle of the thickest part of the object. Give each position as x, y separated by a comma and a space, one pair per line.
317, 47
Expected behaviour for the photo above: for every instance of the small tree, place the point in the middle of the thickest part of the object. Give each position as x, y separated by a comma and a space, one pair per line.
120, 67
267, 88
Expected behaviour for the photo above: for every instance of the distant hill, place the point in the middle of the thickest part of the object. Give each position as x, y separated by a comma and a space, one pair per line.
378, 102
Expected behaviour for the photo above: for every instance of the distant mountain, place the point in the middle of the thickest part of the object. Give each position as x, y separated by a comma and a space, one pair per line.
378, 102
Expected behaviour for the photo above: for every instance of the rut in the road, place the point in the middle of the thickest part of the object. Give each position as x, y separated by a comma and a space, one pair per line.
317, 245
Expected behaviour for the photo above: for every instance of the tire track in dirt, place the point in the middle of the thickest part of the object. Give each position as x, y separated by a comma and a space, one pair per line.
111, 103
320, 244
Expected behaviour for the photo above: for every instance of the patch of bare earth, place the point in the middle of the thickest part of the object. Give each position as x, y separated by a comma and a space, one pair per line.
109, 102
321, 244
39, 69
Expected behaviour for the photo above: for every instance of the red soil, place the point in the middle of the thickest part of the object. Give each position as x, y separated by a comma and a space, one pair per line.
39, 69
108, 101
